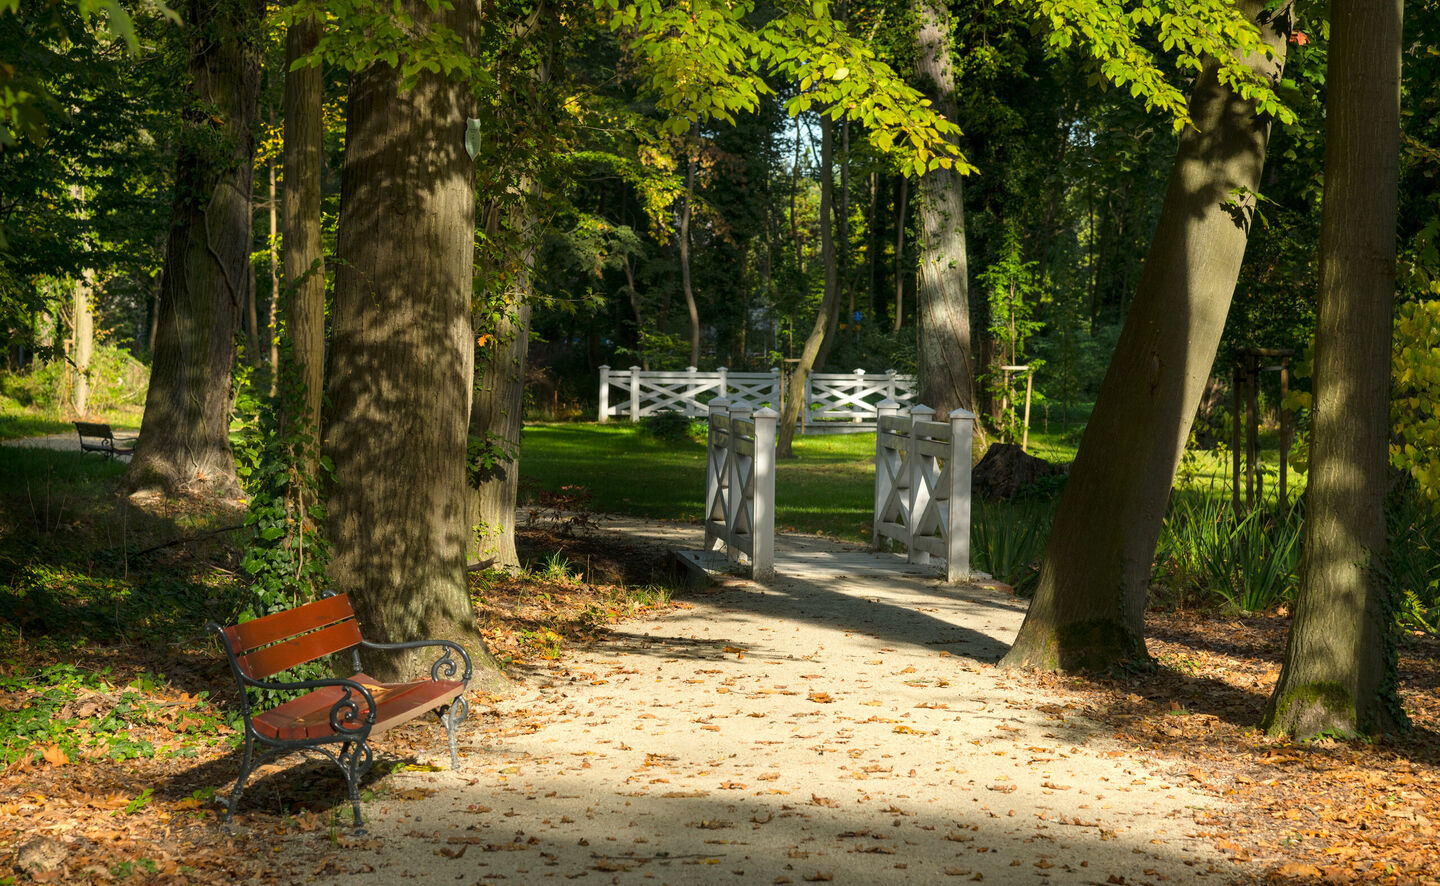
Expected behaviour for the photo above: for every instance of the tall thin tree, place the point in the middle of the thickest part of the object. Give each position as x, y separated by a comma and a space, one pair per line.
947, 366
304, 163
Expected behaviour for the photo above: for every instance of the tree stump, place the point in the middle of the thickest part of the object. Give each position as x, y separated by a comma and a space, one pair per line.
1007, 470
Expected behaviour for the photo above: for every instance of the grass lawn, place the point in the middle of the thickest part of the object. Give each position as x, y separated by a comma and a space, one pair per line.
828, 487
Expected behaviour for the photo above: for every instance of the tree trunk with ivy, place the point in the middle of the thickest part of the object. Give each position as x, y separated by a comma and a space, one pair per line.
304, 161
1339, 673
946, 365
1088, 610
497, 413
184, 441
403, 359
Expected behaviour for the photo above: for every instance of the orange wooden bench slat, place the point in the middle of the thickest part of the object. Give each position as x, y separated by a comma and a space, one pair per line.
271, 628
309, 716
263, 663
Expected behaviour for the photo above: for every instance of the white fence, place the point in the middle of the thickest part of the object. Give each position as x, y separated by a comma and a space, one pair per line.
922, 485
740, 485
832, 399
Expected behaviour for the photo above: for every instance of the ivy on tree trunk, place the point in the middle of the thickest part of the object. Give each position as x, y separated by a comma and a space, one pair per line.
184, 439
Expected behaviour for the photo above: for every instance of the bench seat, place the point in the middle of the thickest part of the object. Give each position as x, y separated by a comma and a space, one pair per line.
308, 716
344, 712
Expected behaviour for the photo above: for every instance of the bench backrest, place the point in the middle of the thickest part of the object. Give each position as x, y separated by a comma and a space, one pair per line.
93, 429
273, 643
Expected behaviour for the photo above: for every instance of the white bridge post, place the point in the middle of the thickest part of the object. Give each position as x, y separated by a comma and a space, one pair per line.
762, 563
604, 392
634, 393
957, 541
735, 500
886, 408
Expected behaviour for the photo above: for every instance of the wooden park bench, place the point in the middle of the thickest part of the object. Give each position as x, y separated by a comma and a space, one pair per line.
334, 711
97, 437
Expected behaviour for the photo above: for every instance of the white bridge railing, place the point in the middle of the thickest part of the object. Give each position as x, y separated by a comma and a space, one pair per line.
740, 485
832, 398
922, 485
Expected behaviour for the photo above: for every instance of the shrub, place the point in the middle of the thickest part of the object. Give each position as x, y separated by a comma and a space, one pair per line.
1249, 564
672, 428
1007, 539
117, 380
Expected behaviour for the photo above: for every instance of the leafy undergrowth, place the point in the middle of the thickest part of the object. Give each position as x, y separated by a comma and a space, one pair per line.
1326, 812
572, 587
114, 737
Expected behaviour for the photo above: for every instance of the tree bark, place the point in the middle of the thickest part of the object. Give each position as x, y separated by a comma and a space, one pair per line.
1088, 611
403, 358
946, 364
84, 340
497, 412
686, 211
900, 209
185, 437
1339, 672
304, 162
824, 326
829, 247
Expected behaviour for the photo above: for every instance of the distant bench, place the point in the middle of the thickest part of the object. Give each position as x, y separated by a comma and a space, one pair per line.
97, 437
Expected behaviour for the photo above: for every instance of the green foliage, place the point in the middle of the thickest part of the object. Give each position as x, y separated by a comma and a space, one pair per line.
1248, 565
280, 468
1412, 563
486, 458
1007, 539
1415, 376
671, 428
709, 61
1119, 39
23, 95
359, 33
117, 380
1013, 288
81, 712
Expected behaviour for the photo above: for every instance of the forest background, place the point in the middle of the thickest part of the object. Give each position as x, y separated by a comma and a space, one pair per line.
543, 188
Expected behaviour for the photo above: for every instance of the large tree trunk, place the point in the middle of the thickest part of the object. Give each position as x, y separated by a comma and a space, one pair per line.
1088, 610
1339, 672
301, 217
947, 367
403, 359
185, 437
824, 327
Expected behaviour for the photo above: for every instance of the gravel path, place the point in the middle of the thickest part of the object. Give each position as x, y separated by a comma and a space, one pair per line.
842, 724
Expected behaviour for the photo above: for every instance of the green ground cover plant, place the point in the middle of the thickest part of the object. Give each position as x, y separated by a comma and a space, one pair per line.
39, 402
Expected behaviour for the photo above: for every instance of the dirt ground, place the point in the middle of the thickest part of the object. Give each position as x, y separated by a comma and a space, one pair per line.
817, 729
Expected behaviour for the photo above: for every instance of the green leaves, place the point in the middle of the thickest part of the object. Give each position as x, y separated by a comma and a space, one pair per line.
706, 60
1117, 41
